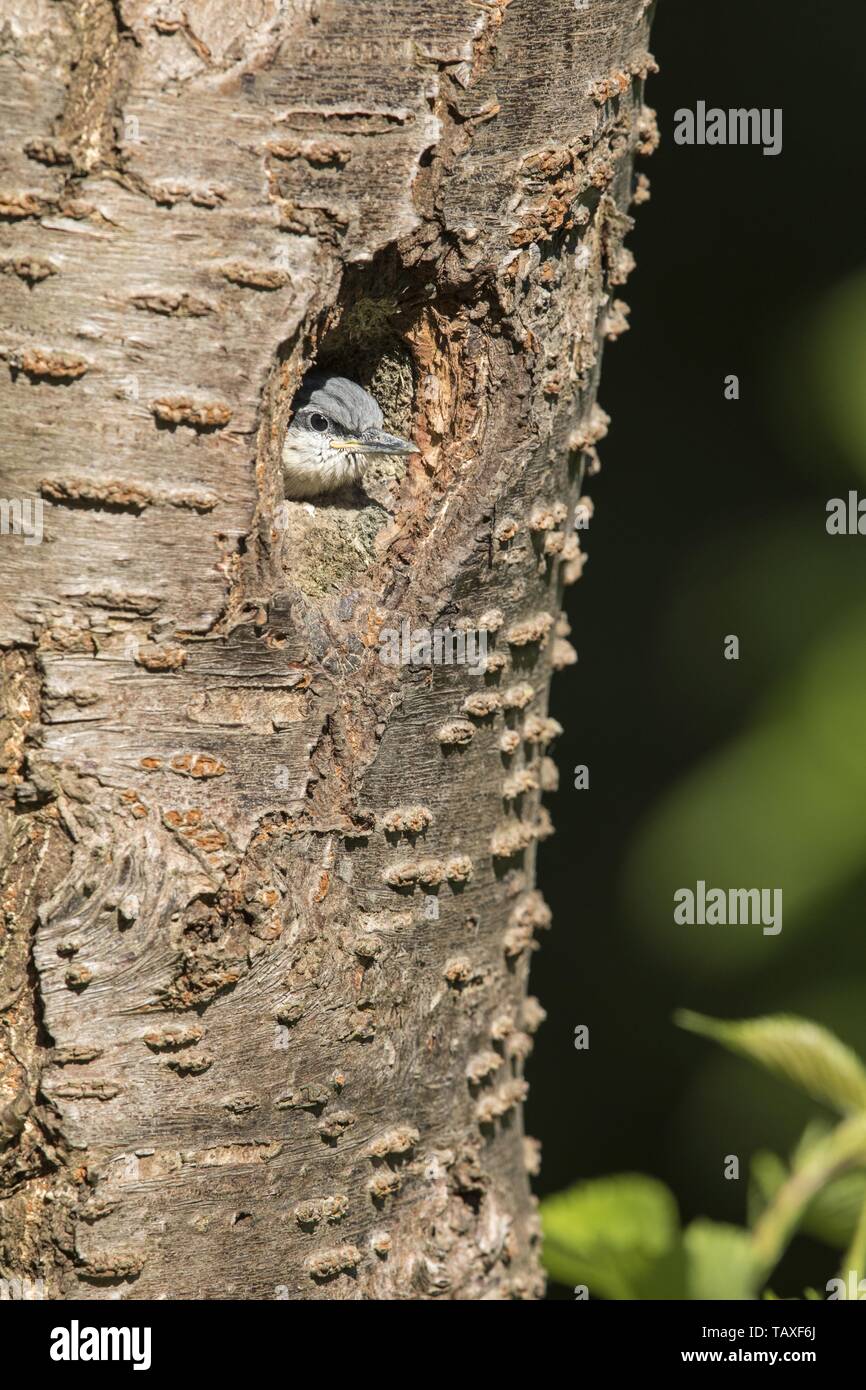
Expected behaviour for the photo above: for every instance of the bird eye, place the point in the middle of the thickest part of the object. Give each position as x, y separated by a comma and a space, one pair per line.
319, 423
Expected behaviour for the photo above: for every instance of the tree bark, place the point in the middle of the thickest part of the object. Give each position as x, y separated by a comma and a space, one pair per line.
268, 901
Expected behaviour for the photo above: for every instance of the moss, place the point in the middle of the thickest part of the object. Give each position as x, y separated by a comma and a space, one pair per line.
366, 346
365, 321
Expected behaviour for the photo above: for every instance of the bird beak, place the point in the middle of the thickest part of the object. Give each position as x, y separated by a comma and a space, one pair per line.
376, 442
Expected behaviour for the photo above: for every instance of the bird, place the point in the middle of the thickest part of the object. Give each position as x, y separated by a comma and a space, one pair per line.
336, 425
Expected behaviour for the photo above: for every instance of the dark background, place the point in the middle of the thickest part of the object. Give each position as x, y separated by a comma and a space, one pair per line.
710, 520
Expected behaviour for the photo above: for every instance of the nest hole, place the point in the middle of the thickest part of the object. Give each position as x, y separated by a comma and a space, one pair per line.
364, 339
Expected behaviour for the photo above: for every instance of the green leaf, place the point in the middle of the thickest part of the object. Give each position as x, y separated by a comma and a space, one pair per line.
619, 1236
844, 1147
720, 1263
843, 1150
833, 1213
793, 1048
815, 1133
767, 1173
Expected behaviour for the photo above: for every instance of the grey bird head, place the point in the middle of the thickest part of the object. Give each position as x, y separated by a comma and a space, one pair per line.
336, 424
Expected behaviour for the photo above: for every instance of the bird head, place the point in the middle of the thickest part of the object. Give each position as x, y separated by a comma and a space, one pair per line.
335, 426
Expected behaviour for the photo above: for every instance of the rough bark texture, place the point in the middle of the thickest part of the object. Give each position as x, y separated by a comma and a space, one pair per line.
241, 1055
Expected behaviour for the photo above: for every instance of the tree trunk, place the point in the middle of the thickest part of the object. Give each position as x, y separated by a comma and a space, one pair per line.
268, 903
